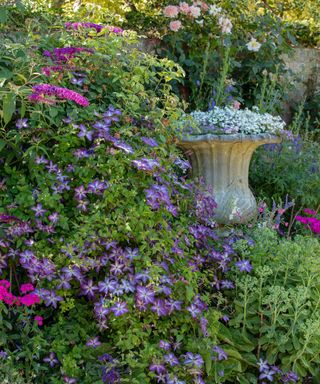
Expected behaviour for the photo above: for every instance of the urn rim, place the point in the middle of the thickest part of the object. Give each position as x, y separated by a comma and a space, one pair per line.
238, 137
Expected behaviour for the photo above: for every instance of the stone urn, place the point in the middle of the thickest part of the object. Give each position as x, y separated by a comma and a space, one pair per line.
223, 161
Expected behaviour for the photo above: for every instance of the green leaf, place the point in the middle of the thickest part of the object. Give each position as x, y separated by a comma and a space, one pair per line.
2, 144
4, 16
9, 106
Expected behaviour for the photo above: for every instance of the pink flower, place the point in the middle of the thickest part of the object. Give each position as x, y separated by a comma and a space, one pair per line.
302, 219
315, 227
30, 299
41, 93
175, 25
5, 283
236, 104
204, 6
195, 11
8, 298
26, 288
309, 211
171, 11
38, 319
184, 8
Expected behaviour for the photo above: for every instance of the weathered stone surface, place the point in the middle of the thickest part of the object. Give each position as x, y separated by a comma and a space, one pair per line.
223, 161
304, 65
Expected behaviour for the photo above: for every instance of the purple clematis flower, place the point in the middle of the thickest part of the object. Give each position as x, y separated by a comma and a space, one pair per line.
145, 164
41, 160
54, 217
120, 308
244, 266
165, 345
51, 298
160, 308
149, 141
193, 359
88, 289
267, 375
80, 192
290, 377
121, 145
145, 295
22, 123
83, 132
107, 286
51, 359
194, 310
39, 211
97, 186
263, 365
171, 359
158, 368
220, 354
69, 380
93, 342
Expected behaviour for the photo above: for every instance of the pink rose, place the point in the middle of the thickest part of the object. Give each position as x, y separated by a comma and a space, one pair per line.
236, 104
195, 11
171, 11
175, 25
204, 6
184, 8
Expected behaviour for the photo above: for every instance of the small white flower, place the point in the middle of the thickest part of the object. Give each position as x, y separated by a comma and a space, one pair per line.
225, 24
200, 22
229, 120
253, 45
214, 10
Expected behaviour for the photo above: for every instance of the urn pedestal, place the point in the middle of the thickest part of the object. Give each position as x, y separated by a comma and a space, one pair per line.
223, 161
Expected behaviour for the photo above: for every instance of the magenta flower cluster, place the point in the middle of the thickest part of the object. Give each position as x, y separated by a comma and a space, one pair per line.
310, 221
9, 298
97, 27
43, 93
66, 53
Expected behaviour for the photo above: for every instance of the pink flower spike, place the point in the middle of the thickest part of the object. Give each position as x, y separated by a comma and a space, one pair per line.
41, 92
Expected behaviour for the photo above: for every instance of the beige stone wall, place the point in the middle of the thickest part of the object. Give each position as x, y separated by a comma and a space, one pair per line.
304, 64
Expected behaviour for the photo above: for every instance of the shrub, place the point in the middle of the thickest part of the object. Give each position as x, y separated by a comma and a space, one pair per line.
224, 46
97, 214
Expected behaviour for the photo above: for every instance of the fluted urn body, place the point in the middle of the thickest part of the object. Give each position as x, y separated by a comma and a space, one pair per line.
223, 161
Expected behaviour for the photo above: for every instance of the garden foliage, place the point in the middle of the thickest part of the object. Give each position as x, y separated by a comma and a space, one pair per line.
112, 269
288, 169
